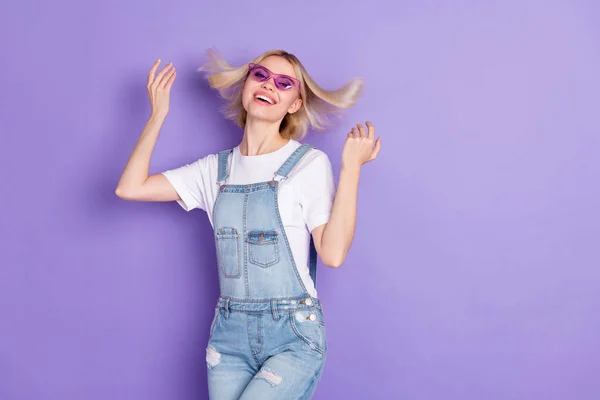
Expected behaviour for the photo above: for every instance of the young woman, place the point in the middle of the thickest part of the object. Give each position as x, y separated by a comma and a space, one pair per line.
274, 206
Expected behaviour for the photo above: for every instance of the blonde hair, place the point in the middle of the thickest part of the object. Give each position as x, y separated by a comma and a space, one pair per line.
318, 104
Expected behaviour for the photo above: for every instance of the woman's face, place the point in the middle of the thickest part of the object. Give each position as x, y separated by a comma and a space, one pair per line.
263, 100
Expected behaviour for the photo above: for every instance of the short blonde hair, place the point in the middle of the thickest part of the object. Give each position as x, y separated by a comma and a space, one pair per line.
318, 104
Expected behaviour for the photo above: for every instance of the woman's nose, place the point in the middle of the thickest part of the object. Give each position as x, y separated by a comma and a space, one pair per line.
269, 83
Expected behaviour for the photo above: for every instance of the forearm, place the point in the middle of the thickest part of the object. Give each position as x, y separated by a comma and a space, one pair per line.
339, 231
138, 166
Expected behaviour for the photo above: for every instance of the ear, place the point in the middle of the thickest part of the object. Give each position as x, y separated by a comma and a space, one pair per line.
295, 106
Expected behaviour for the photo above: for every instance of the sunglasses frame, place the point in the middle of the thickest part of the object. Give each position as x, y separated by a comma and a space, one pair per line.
252, 67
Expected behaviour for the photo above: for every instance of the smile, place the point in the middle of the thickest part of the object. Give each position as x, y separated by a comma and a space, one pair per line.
264, 98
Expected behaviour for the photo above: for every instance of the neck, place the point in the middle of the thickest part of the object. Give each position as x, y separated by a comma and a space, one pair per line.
261, 137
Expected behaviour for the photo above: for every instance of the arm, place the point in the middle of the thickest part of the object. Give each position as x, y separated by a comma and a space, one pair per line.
135, 184
333, 239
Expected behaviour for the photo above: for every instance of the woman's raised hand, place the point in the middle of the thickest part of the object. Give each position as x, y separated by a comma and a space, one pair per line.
361, 146
159, 88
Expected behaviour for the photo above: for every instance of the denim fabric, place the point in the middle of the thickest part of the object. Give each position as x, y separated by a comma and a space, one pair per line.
267, 339
266, 349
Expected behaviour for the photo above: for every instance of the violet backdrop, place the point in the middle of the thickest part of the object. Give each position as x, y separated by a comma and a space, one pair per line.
474, 270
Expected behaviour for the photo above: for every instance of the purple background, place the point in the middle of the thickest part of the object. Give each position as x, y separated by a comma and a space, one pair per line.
474, 270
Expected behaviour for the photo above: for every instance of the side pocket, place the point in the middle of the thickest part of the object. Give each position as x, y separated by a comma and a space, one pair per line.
214, 321
263, 249
228, 251
311, 331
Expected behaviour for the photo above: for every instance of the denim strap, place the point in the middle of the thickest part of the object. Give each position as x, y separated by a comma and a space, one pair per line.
292, 160
313, 261
284, 171
223, 165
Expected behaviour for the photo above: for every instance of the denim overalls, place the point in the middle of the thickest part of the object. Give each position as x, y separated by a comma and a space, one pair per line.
267, 338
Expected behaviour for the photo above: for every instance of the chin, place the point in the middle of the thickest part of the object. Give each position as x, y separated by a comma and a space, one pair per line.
264, 115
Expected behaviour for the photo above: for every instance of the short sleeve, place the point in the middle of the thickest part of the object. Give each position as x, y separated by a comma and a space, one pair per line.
192, 183
317, 191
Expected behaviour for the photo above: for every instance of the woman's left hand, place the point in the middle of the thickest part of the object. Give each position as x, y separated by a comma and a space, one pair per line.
359, 149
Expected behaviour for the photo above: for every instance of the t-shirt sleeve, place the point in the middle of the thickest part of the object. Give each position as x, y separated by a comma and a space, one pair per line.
317, 191
192, 182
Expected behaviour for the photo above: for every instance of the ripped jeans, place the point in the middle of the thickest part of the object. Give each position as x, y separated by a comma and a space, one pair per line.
266, 349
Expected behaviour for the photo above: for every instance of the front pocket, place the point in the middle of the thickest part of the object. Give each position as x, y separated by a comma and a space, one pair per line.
228, 252
263, 249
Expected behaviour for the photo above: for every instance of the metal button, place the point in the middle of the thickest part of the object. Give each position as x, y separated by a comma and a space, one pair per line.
272, 183
312, 317
222, 187
308, 302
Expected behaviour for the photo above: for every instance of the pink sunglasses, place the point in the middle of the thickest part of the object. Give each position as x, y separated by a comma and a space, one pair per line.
261, 74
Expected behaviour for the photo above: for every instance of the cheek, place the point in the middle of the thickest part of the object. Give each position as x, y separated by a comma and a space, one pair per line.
287, 100
250, 86
247, 91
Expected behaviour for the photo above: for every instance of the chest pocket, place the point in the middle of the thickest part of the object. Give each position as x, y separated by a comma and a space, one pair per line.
263, 248
228, 252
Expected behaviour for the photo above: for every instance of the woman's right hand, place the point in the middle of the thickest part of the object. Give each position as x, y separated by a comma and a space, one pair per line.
159, 88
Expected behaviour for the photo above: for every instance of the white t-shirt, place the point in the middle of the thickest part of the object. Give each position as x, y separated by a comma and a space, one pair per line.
305, 197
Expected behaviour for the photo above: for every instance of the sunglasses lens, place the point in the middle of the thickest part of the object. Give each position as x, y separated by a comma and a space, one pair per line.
284, 83
260, 74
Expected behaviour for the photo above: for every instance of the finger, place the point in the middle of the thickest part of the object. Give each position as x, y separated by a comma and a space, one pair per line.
355, 132
376, 149
371, 132
153, 71
165, 80
162, 73
170, 80
361, 130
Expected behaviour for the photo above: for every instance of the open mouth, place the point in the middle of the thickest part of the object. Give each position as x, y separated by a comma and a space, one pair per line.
264, 99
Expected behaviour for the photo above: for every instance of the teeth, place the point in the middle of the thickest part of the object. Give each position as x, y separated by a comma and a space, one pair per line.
264, 98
